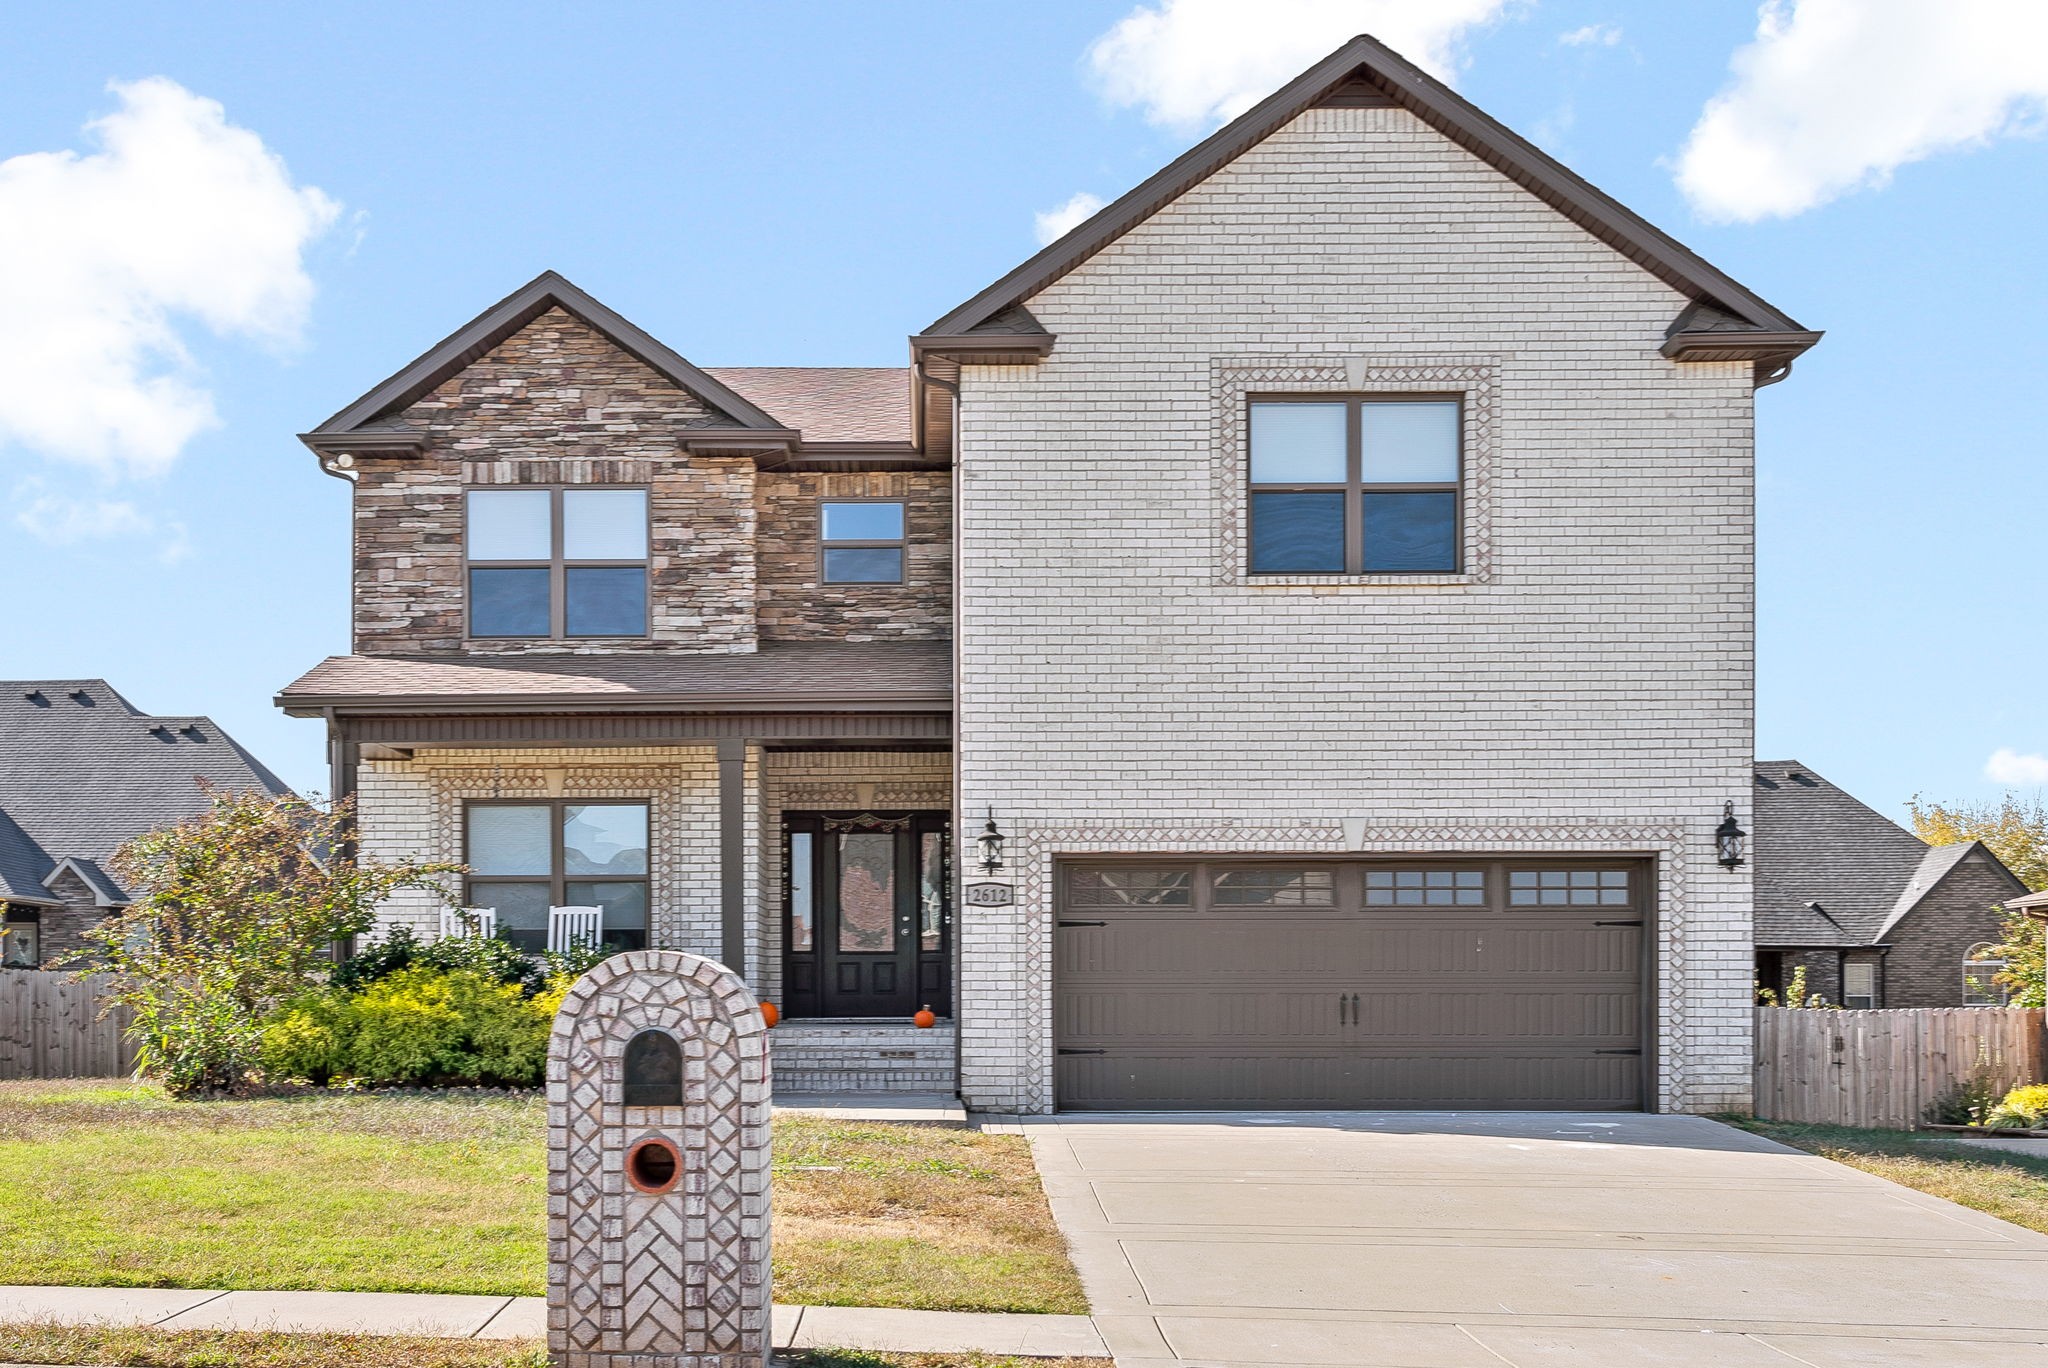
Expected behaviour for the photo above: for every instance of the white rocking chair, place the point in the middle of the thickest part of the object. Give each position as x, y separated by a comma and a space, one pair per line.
469, 921
571, 926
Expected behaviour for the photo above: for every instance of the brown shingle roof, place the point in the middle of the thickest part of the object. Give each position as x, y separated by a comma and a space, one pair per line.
829, 403
798, 674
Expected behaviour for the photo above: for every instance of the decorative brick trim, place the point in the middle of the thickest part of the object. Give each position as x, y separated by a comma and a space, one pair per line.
1036, 846
677, 1278
1232, 378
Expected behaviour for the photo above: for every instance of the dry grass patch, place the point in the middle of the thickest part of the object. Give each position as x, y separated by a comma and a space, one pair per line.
43, 1343
139, 1347
2012, 1187
113, 1185
934, 1217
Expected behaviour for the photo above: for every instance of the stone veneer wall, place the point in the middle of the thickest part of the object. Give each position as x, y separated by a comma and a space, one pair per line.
556, 403
415, 808
809, 781
1584, 685
795, 606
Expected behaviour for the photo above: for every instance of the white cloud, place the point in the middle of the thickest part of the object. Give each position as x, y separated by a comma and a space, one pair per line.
2008, 766
176, 217
1192, 64
1057, 223
1592, 35
59, 520
1835, 95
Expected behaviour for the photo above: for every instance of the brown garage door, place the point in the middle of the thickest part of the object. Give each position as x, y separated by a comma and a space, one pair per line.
1488, 983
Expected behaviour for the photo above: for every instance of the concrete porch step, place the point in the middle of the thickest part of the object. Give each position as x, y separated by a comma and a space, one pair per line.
849, 1055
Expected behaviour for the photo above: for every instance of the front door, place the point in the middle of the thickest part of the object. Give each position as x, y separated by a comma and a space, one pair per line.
866, 914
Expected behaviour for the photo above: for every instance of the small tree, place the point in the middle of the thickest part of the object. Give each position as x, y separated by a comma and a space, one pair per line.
235, 911
2015, 829
2025, 952
1795, 994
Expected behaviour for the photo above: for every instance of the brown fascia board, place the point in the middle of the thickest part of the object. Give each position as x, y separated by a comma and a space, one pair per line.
988, 349
388, 705
1724, 345
1366, 58
369, 442
741, 441
547, 290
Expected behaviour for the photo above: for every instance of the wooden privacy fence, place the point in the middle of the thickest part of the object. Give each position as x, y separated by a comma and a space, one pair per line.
50, 1027
1885, 1068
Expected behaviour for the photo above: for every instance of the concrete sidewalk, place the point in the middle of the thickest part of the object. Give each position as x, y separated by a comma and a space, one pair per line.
1521, 1240
457, 1317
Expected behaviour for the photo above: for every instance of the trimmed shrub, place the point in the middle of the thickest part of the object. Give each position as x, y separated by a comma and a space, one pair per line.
418, 1025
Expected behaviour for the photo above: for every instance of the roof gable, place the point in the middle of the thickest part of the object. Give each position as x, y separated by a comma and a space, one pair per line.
1366, 72
370, 417
82, 770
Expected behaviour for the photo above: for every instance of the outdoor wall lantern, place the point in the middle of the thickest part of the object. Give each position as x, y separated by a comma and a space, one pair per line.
1729, 838
991, 843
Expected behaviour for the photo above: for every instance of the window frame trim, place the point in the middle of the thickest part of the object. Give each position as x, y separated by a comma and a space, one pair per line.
1355, 486
901, 543
558, 880
558, 564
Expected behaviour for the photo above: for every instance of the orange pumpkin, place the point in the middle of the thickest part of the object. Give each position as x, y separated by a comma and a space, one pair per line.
926, 1018
769, 1014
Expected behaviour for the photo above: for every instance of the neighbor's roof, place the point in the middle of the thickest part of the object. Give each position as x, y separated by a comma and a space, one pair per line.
82, 770
1726, 320
907, 674
1816, 843
828, 403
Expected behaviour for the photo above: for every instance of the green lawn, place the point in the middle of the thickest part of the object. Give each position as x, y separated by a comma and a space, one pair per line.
111, 1184
2012, 1187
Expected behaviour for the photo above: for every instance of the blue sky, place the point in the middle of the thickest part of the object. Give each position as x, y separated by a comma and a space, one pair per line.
809, 183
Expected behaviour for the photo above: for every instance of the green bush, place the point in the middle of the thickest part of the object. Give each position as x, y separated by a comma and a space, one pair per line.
2023, 1109
417, 1024
493, 957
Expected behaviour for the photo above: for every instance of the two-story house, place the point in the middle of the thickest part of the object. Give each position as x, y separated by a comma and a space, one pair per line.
1329, 567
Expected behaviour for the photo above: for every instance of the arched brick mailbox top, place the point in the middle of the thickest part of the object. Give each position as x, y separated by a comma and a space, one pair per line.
643, 1274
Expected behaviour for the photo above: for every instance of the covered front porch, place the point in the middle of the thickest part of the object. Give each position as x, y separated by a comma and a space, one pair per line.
808, 849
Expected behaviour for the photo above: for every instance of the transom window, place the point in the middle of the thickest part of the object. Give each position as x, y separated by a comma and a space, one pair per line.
860, 541
557, 562
1356, 485
524, 858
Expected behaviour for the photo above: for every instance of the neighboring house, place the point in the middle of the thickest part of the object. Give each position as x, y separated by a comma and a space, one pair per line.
1329, 566
1875, 915
83, 770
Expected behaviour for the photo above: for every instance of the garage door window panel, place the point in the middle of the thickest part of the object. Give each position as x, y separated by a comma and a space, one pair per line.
1131, 888
1569, 888
1425, 888
1275, 888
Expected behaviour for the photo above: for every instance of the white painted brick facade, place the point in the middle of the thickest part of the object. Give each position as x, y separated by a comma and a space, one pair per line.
1587, 687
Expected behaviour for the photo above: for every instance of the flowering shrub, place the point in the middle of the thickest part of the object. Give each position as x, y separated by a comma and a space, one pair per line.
2023, 1109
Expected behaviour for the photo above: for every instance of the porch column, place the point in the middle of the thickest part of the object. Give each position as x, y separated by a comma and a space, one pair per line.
732, 853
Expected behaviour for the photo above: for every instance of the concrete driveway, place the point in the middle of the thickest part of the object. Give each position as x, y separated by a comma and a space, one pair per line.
1473, 1240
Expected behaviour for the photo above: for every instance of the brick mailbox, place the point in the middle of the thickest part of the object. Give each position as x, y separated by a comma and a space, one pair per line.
658, 1168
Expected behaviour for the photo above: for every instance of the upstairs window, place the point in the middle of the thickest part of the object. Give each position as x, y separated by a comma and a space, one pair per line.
860, 541
1356, 486
557, 562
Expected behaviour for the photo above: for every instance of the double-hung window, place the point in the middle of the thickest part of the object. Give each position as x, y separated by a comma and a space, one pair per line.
526, 857
860, 541
1358, 485
557, 562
